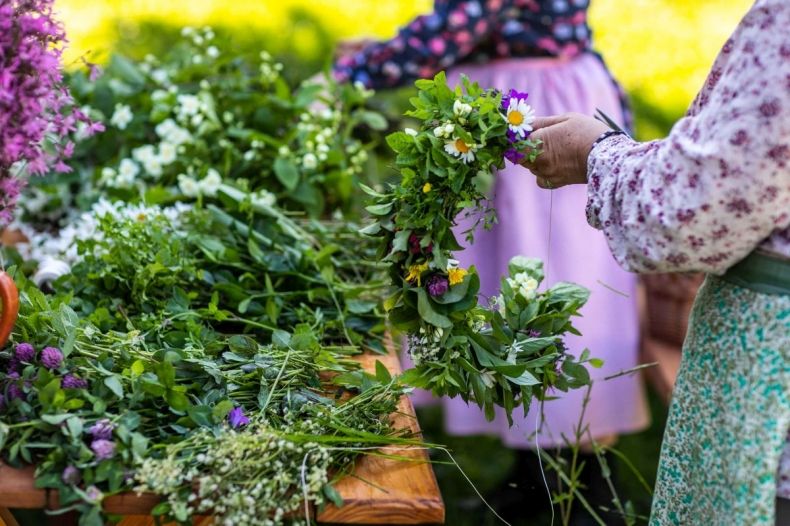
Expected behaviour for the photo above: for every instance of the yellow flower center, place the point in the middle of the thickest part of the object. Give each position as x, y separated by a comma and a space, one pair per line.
461, 146
515, 118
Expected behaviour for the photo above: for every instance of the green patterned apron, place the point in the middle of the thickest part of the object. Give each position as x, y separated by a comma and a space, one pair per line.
730, 412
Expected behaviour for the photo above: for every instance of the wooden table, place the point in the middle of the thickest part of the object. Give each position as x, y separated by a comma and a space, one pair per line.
383, 491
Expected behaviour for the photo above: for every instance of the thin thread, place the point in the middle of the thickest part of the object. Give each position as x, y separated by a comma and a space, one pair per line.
538, 426
548, 240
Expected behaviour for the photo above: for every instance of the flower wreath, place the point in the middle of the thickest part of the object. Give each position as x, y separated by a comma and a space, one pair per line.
506, 352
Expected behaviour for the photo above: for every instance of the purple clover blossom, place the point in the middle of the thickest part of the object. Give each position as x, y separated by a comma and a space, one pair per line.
36, 109
13, 365
102, 429
14, 392
437, 285
24, 352
103, 449
51, 357
71, 475
71, 381
236, 418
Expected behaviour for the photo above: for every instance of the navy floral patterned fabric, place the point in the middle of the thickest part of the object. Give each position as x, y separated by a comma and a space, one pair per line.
469, 31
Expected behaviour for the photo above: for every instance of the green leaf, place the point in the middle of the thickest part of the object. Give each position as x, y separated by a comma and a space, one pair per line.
114, 385
428, 314
201, 415
177, 400
382, 373
379, 210
399, 141
596, 363
221, 410
138, 368
374, 120
332, 494
287, 173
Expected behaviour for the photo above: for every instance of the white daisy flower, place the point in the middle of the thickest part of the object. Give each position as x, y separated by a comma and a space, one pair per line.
190, 104
153, 166
458, 148
520, 117
122, 116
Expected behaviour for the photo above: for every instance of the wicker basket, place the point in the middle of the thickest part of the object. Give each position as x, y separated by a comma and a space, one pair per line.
669, 301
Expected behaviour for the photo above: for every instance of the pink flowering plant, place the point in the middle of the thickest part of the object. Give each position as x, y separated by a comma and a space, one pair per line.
37, 114
503, 352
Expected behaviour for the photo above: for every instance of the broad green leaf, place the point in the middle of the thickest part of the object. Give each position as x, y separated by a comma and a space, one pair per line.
287, 173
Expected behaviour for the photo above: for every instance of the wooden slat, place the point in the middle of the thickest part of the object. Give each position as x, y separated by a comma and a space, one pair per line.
411, 494
396, 492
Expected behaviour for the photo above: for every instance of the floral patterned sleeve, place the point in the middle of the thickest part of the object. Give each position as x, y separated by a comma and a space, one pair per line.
719, 186
423, 48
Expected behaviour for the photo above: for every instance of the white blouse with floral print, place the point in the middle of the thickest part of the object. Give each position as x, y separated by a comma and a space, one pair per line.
719, 186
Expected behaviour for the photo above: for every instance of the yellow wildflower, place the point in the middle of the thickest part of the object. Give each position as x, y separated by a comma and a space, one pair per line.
456, 275
426, 188
415, 272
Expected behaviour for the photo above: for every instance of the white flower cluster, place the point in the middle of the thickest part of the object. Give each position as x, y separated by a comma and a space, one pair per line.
524, 285
202, 39
270, 70
426, 346
253, 477
46, 247
208, 186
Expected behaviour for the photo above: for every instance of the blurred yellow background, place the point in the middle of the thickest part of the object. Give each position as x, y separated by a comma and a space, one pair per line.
660, 49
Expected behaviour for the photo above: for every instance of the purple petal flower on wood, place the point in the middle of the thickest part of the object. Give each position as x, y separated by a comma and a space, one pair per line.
237, 419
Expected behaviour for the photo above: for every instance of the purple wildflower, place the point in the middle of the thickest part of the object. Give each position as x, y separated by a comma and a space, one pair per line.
94, 494
533, 333
518, 95
15, 392
25, 352
513, 155
71, 475
437, 285
414, 245
73, 382
51, 357
13, 365
236, 418
103, 449
102, 430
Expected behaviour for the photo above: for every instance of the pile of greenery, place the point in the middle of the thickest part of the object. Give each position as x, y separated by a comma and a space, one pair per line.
200, 353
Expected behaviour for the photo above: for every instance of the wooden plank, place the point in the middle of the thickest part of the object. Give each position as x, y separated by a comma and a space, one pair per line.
396, 492
411, 494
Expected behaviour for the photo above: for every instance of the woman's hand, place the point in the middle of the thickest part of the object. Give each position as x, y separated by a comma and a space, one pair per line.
566, 143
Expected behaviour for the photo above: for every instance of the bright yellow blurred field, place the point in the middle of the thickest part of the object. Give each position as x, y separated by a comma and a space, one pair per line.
660, 49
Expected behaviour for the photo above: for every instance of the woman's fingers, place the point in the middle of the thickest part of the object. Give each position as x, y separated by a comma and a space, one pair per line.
551, 120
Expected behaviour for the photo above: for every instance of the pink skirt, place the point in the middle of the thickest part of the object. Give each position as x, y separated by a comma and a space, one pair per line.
576, 252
